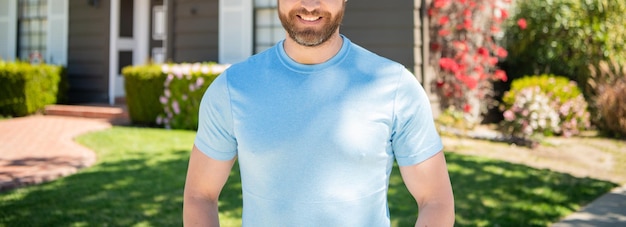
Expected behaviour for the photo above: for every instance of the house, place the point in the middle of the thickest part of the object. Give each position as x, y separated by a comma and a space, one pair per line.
94, 39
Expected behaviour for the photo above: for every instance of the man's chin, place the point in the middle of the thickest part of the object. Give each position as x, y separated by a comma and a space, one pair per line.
309, 40
310, 43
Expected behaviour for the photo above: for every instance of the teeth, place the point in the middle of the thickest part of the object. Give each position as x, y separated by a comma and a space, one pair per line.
310, 18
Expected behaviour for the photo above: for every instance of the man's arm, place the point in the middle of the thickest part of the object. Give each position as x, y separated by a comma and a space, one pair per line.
429, 183
205, 179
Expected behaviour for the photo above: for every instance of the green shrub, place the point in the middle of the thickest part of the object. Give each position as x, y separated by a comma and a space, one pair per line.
183, 90
608, 84
563, 37
453, 118
531, 104
560, 87
531, 114
26, 89
168, 95
143, 85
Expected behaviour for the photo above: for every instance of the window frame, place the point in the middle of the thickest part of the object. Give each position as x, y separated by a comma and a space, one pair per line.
31, 40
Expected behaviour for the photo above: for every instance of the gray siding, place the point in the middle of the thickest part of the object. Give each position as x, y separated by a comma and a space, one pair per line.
394, 30
383, 28
194, 31
88, 52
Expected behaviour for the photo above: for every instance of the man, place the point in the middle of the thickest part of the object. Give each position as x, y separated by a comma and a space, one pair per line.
316, 123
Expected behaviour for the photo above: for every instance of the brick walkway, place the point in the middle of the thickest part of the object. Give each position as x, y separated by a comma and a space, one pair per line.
39, 148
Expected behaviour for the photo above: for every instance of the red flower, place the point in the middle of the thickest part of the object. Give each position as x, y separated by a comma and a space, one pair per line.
479, 69
440, 83
467, 23
467, 13
435, 46
495, 29
500, 75
444, 20
504, 14
471, 83
467, 108
522, 23
441, 3
465, 49
501, 52
483, 52
448, 64
461, 45
460, 76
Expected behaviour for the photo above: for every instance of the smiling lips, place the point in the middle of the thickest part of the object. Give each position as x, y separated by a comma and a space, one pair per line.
309, 18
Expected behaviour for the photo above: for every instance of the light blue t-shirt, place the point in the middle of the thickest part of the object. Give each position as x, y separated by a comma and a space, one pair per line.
316, 143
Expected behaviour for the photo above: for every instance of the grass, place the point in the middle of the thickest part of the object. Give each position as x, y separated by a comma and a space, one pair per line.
139, 179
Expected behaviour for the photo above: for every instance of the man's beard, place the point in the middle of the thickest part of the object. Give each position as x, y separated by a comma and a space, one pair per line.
308, 36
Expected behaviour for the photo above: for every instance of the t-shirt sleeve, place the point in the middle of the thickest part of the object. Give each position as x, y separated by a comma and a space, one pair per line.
414, 138
215, 136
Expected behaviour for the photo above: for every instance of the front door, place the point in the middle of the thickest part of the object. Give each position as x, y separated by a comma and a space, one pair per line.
129, 41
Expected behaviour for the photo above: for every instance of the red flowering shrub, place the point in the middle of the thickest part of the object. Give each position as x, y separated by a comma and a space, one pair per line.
466, 53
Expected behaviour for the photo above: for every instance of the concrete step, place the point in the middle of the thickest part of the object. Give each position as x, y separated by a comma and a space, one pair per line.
114, 114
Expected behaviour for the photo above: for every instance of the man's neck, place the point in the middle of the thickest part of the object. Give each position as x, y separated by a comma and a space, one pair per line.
313, 55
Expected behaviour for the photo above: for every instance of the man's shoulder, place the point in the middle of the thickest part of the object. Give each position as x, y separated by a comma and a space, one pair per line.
254, 62
375, 65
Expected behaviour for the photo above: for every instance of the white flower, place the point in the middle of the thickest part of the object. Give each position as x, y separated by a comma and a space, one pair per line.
542, 123
533, 115
165, 68
205, 69
196, 67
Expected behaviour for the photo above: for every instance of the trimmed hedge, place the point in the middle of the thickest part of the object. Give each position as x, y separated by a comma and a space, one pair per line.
183, 90
26, 89
143, 85
168, 95
560, 87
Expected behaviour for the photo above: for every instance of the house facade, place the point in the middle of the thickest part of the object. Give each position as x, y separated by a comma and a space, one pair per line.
94, 39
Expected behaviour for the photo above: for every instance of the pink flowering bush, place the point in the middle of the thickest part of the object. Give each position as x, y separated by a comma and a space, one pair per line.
528, 95
183, 89
465, 52
531, 114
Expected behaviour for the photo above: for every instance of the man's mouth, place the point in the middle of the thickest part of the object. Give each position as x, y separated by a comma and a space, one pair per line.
309, 18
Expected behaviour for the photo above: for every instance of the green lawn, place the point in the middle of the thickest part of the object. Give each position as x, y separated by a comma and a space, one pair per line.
139, 178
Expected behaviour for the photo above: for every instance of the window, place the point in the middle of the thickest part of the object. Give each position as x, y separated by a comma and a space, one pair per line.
267, 27
32, 23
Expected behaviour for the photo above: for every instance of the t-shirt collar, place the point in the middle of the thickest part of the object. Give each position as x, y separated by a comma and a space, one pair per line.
305, 68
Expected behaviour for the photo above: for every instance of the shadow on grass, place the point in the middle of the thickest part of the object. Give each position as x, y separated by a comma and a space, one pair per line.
123, 193
496, 193
146, 189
